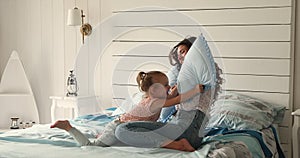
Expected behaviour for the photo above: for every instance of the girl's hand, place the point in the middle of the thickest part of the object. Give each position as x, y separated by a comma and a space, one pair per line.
201, 88
173, 92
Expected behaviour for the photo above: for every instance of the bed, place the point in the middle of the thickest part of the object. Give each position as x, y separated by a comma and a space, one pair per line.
220, 140
263, 57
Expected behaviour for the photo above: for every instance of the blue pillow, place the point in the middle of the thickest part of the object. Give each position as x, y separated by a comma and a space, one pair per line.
198, 67
237, 111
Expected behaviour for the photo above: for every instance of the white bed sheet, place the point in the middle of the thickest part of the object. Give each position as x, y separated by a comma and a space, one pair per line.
42, 141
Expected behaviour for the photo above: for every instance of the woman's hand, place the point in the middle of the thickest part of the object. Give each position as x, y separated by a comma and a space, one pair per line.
62, 124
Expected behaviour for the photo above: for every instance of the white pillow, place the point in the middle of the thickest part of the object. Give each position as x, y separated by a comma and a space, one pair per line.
198, 67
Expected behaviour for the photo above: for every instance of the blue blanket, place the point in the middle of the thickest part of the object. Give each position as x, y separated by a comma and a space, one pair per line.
249, 137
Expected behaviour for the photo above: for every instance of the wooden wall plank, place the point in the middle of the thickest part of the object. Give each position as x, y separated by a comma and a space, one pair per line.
257, 83
233, 33
259, 67
70, 34
132, 63
232, 82
58, 47
219, 49
255, 66
199, 4
227, 17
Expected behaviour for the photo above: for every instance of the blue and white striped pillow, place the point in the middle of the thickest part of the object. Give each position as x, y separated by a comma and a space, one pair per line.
236, 111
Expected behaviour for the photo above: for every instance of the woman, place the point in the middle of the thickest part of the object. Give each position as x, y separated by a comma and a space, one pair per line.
176, 58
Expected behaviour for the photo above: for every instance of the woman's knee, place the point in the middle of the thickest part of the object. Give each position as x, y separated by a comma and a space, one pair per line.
120, 130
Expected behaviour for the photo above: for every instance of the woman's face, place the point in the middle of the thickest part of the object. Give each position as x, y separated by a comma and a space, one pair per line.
181, 52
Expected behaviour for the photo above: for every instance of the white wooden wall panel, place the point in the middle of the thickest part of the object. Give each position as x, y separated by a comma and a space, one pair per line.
255, 66
58, 47
251, 49
46, 55
219, 49
7, 31
268, 16
199, 4
257, 83
250, 41
213, 33
70, 40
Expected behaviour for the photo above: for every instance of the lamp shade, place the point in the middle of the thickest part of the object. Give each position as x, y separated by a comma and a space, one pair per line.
74, 17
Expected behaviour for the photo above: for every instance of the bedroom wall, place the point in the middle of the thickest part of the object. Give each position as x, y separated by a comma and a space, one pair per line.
47, 47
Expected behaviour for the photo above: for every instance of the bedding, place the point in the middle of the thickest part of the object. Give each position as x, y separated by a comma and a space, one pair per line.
40, 139
237, 111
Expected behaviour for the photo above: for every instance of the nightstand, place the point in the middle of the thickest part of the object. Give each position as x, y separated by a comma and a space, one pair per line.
296, 133
71, 107
7, 129
4, 130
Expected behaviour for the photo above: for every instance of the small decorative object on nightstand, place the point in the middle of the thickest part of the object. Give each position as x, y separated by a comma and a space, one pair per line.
72, 86
14, 123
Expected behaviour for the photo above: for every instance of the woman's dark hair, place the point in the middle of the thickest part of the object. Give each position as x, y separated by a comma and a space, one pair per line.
173, 56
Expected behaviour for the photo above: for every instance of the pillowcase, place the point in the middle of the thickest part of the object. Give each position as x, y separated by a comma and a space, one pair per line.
198, 67
237, 111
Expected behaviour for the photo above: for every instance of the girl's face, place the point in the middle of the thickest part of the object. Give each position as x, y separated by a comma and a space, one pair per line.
181, 52
160, 87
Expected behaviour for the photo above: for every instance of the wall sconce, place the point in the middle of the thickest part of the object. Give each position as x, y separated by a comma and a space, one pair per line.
76, 18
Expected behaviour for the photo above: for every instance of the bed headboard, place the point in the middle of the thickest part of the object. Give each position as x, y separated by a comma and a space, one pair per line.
250, 40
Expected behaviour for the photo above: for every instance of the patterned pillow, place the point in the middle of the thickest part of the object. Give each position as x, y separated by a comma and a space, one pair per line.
236, 111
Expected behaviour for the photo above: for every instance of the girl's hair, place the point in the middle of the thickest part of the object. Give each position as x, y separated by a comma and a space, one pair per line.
173, 56
144, 79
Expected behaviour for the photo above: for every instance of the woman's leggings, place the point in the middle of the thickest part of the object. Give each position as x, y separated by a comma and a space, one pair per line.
186, 124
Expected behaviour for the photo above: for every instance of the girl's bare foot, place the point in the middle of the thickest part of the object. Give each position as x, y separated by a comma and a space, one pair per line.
182, 145
187, 145
62, 124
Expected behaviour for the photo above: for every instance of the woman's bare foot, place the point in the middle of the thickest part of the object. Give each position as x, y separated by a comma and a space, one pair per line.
62, 124
182, 145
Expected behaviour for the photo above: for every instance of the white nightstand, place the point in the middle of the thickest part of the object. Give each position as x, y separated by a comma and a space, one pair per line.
296, 133
71, 107
7, 129
4, 130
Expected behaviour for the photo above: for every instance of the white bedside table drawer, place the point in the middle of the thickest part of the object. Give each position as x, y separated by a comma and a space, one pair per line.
72, 107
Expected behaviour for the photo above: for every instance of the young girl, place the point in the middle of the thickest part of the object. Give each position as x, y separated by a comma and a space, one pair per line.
155, 85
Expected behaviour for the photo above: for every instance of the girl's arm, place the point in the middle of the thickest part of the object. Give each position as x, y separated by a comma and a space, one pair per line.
173, 92
184, 96
157, 104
